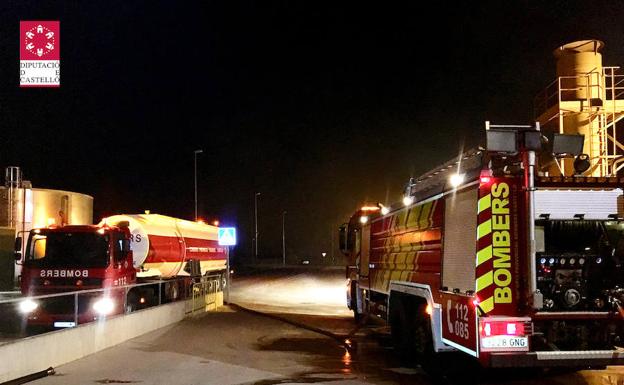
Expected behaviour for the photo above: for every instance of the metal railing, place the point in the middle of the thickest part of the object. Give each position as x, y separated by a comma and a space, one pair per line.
72, 308
607, 86
204, 293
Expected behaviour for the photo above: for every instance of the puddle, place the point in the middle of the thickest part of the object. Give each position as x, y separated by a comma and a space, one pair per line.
319, 346
365, 360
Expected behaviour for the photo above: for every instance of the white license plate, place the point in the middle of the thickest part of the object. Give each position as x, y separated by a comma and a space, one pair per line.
64, 324
505, 343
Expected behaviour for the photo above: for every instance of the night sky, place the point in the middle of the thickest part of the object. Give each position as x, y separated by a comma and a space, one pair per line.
319, 106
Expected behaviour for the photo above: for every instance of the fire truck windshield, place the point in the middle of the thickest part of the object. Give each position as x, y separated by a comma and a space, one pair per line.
66, 249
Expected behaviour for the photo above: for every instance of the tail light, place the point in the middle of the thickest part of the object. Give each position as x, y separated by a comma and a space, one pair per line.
496, 328
504, 334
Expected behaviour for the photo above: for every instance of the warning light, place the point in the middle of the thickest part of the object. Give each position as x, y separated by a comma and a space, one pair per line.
485, 179
456, 180
429, 309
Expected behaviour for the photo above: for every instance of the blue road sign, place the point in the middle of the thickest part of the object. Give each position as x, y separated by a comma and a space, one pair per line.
227, 236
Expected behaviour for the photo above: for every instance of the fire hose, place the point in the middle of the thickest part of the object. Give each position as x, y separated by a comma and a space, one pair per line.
31, 377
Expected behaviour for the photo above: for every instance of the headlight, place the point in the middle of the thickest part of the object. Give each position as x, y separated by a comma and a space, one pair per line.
104, 306
27, 306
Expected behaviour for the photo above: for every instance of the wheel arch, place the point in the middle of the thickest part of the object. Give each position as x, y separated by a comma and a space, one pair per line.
422, 294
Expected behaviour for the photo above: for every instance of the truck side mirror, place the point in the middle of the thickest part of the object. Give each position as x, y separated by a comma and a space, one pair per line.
344, 230
17, 249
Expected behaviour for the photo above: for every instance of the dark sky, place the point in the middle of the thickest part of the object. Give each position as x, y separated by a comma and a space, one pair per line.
317, 105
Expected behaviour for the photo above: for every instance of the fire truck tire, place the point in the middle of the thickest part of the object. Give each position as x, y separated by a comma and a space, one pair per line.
400, 329
424, 353
172, 292
357, 316
132, 302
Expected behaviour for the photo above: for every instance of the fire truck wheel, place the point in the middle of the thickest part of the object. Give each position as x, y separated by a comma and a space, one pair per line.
422, 332
357, 316
171, 291
402, 333
423, 343
131, 302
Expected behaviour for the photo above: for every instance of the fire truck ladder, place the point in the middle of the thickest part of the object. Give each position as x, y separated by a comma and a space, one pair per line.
468, 163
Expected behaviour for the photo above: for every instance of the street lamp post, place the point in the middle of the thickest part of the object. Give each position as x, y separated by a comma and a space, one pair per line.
284, 238
256, 223
195, 153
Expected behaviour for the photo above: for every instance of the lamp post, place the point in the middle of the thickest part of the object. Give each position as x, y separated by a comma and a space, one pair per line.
256, 223
195, 153
284, 238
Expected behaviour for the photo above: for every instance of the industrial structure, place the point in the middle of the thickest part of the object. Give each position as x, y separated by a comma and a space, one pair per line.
23, 208
586, 98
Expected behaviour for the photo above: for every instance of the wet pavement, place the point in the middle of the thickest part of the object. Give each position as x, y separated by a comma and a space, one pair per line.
281, 343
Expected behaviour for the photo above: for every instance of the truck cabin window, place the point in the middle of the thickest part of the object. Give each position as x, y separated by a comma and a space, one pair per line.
67, 250
121, 247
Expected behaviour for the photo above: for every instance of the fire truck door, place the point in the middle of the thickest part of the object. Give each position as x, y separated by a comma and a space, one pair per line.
364, 251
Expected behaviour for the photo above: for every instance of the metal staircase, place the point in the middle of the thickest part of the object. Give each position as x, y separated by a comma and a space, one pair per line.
601, 108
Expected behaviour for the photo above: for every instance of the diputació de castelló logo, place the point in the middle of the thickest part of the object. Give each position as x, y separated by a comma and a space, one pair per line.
40, 54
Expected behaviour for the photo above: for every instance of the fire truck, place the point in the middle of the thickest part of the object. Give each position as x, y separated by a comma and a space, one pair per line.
489, 256
513, 252
121, 250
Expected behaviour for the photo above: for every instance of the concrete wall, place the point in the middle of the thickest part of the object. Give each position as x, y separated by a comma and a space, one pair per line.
37, 353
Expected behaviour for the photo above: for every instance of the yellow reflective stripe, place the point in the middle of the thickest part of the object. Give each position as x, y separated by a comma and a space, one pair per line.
484, 229
487, 305
484, 281
485, 203
484, 255
423, 221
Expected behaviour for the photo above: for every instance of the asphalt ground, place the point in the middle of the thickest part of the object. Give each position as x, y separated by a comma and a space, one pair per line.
287, 327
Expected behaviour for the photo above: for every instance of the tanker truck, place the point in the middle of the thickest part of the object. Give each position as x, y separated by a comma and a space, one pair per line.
120, 251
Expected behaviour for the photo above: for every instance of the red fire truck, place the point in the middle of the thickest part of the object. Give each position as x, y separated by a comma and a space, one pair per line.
493, 256
121, 250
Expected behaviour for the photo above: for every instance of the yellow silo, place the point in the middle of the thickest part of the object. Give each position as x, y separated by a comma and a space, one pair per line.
583, 100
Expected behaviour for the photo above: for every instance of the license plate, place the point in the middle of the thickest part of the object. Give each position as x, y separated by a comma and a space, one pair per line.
505, 343
64, 324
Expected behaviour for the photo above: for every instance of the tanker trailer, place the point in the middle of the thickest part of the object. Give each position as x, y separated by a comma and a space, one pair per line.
121, 250
162, 246
165, 247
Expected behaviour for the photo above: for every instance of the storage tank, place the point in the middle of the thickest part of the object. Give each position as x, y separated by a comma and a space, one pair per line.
579, 67
162, 245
